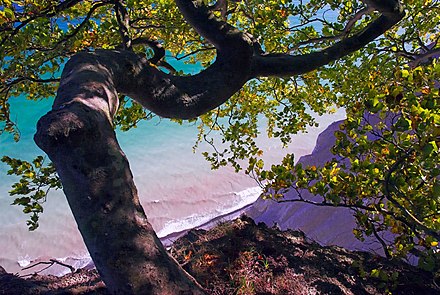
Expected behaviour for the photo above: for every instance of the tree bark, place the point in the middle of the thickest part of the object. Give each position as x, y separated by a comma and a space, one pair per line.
79, 138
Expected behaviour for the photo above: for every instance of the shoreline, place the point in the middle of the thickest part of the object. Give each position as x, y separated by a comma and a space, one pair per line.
59, 268
169, 239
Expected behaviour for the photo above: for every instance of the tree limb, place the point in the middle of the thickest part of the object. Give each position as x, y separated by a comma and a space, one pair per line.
288, 65
221, 34
158, 50
124, 24
189, 97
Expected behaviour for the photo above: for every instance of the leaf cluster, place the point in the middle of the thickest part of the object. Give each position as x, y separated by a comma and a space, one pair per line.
30, 191
385, 168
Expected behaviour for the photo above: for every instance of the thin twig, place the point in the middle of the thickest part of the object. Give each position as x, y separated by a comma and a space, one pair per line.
50, 263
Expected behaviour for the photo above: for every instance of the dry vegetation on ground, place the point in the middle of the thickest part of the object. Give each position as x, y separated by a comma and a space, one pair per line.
240, 257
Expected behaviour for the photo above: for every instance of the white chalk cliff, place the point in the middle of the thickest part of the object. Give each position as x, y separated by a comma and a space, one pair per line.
325, 225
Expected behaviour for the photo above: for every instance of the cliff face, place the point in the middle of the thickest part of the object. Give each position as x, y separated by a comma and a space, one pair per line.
326, 225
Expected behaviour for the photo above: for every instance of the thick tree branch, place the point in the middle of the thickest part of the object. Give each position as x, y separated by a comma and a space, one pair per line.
126, 73
221, 34
288, 65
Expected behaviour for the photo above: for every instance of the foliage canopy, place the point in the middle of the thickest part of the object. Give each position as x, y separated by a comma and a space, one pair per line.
386, 165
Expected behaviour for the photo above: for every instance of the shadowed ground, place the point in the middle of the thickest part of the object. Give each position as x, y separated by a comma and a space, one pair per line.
240, 257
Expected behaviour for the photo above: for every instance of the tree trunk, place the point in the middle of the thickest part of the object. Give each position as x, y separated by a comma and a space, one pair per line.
79, 138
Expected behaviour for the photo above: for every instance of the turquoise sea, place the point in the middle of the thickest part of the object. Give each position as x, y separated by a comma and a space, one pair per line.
176, 186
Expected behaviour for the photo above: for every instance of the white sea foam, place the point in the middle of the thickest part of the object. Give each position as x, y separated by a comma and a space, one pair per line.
24, 261
243, 199
83, 260
45, 265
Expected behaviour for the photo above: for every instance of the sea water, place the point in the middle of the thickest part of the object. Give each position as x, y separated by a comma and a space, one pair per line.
176, 186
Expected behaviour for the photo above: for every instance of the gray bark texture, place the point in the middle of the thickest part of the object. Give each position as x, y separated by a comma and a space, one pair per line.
78, 136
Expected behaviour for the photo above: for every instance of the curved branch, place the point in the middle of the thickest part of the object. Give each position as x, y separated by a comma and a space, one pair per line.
221, 34
124, 24
342, 33
288, 65
189, 97
424, 57
166, 95
158, 50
